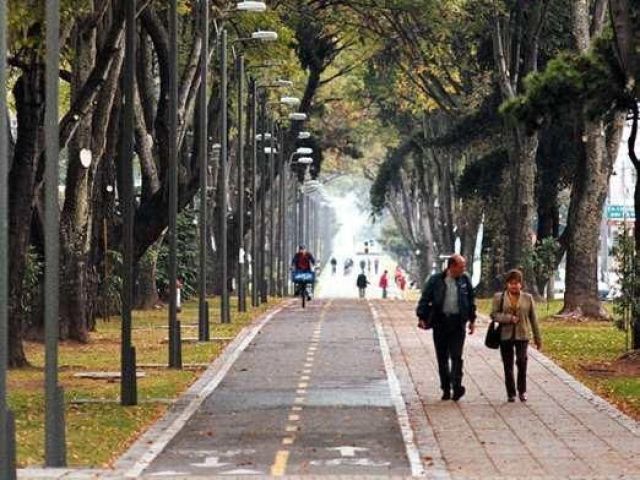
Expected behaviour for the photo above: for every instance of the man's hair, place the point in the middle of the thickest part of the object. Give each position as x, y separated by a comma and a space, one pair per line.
453, 260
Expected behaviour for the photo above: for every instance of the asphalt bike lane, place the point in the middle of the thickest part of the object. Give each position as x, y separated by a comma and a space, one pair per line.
310, 395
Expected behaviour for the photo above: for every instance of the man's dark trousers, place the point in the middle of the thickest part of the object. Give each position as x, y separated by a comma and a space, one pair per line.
448, 338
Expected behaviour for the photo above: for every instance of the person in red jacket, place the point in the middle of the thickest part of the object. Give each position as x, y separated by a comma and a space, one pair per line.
384, 284
302, 261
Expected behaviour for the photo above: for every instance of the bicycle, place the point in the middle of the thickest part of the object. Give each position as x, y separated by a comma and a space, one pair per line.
302, 280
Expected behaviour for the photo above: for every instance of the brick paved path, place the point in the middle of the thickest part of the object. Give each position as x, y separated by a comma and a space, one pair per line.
563, 430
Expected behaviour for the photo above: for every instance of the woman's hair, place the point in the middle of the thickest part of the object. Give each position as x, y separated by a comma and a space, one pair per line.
514, 274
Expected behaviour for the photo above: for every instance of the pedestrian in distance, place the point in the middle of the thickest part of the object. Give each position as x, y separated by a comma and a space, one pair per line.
361, 283
376, 265
363, 264
384, 283
400, 281
334, 263
448, 305
515, 312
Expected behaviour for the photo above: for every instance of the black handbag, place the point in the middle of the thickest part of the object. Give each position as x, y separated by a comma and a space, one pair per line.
492, 339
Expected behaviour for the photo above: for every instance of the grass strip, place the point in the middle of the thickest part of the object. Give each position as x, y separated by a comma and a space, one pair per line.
98, 433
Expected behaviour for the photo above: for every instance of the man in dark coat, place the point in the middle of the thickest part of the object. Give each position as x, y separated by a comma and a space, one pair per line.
448, 304
361, 283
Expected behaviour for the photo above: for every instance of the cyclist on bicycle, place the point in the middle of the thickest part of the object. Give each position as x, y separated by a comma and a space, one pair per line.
302, 261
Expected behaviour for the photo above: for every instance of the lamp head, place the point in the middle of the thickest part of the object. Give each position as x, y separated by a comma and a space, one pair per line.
264, 36
251, 6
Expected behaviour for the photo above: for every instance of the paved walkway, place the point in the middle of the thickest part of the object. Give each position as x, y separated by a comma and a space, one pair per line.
563, 430
349, 388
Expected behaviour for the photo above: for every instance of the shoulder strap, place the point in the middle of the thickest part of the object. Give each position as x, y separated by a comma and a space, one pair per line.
502, 302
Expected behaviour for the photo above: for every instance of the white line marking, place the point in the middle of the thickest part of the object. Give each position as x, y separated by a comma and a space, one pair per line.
163, 439
417, 468
291, 428
305, 378
294, 418
348, 451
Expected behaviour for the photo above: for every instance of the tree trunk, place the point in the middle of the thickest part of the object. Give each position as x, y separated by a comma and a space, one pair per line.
493, 254
585, 214
75, 224
30, 113
469, 222
524, 203
146, 291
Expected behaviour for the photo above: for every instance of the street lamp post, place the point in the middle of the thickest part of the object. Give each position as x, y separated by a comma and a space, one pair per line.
242, 300
55, 452
281, 215
255, 301
225, 316
203, 143
7, 423
263, 186
128, 387
272, 196
175, 344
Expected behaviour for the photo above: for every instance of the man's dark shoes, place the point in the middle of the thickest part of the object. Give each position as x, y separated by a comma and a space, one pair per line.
523, 397
458, 393
511, 399
446, 395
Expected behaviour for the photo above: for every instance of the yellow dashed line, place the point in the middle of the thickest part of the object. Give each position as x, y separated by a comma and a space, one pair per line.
280, 464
